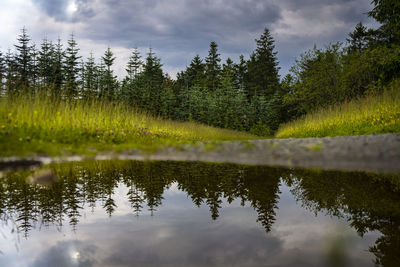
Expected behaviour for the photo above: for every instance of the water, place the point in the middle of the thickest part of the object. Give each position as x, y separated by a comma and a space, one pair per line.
128, 213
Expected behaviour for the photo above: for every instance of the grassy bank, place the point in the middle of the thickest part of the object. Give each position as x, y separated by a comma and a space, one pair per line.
372, 114
44, 126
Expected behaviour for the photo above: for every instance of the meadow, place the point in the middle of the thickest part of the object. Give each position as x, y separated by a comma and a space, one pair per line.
375, 113
42, 125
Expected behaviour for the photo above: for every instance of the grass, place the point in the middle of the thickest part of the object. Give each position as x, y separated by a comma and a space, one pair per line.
40, 125
371, 114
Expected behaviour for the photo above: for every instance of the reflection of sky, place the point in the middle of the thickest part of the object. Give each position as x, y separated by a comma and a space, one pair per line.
180, 234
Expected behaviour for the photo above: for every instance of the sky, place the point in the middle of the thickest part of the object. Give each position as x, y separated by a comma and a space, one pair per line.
177, 30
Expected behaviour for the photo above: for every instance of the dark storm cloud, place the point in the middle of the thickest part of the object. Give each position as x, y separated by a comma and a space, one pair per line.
180, 24
179, 29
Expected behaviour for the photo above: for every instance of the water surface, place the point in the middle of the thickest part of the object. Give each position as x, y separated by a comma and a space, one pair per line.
129, 213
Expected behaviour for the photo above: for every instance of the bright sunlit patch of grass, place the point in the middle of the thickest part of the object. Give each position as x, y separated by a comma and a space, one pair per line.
372, 114
30, 126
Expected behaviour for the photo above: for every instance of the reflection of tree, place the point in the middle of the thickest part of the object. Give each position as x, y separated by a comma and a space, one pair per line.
263, 193
368, 201
109, 182
211, 182
87, 183
26, 209
387, 247
73, 199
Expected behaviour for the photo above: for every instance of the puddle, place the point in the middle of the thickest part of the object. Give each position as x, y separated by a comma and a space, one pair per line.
124, 213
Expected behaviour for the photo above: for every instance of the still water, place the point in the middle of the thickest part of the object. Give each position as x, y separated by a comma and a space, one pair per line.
128, 213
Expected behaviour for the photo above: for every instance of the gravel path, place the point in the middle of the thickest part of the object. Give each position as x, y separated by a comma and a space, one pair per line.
375, 153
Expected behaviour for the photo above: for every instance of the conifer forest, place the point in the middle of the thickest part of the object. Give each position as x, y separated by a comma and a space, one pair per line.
248, 95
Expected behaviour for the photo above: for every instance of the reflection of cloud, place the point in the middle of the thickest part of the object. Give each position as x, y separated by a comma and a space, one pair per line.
188, 243
68, 253
188, 237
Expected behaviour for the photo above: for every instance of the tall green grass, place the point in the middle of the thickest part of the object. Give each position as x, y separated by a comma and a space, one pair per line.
30, 126
371, 114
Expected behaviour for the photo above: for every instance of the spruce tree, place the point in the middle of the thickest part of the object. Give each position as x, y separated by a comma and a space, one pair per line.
71, 68
134, 65
213, 68
101, 70
89, 81
23, 60
34, 67
110, 81
153, 79
228, 68
195, 72
263, 78
2, 73
57, 72
10, 73
167, 98
240, 73
45, 63
359, 38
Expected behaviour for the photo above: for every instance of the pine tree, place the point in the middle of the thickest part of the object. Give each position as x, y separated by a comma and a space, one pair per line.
23, 60
359, 38
10, 73
34, 67
263, 78
167, 98
45, 63
101, 70
90, 71
240, 73
134, 65
71, 68
195, 72
213, 69
57, 72
153, 79
2, 73
130, 90
110, 81
228, 69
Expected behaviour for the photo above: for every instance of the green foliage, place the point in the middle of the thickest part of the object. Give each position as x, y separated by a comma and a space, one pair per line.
134, 64
195, 73
262, 75
244, 96
213, 68
359, 38
109, 81
71, 68
261, 130
2, 72
40, 124
372, 114
316, 80
89, 78
387, 13
23, 62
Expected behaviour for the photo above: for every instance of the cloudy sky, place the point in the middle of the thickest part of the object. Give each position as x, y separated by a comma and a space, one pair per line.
177, 30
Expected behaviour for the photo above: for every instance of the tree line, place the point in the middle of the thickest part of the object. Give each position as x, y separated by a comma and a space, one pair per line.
248, 95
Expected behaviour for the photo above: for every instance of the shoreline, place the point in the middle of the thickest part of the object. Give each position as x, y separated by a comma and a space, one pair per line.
371, 153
